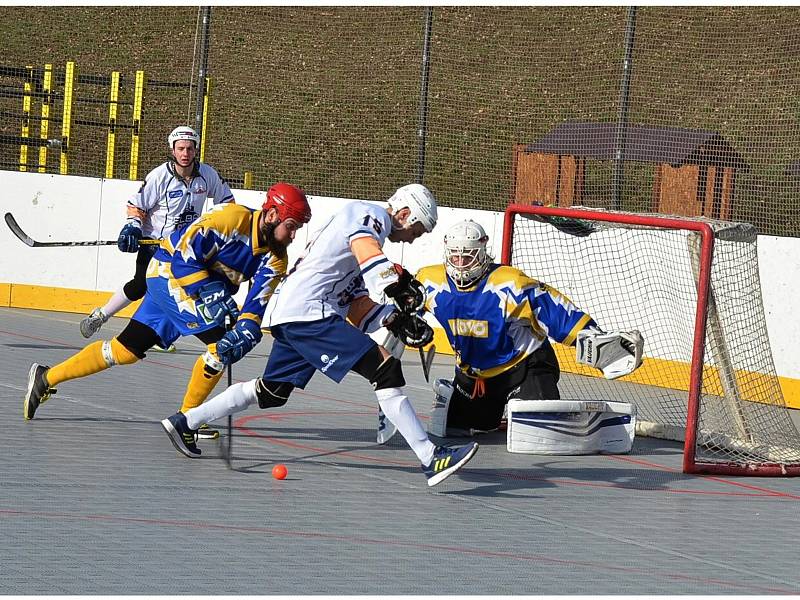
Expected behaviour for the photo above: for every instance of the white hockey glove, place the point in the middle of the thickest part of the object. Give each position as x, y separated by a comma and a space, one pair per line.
616, 353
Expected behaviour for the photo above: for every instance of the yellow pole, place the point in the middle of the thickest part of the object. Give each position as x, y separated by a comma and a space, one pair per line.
137, 123
66, 121
205, 120
112, 124
248, 180
44, 129
26, 119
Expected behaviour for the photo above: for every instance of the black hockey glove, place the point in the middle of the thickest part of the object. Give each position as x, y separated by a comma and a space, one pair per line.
410, 328
407, 293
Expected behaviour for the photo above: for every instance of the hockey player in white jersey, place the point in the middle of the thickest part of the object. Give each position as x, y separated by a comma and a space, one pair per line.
500, 322
172, 195
320, 317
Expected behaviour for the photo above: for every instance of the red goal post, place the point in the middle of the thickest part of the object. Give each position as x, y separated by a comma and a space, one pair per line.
691, 286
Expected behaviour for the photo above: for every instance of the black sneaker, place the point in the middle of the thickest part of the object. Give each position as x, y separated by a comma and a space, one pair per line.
38, 390
180, 435
447, 461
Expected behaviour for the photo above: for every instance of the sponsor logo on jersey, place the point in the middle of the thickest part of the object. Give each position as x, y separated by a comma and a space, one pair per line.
328, 362
469, 328
175, 194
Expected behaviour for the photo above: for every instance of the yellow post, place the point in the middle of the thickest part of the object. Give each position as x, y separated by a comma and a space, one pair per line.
112, 124
248, 180
44, 128
66, 121
205, 120
26, 119
137, 123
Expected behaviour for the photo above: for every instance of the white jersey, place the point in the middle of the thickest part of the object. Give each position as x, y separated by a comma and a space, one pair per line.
343, 262
165, 201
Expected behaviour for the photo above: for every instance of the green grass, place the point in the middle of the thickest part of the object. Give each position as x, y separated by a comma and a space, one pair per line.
328, 97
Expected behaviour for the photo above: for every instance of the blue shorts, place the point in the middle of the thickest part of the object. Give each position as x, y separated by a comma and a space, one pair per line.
161, 313
331, 346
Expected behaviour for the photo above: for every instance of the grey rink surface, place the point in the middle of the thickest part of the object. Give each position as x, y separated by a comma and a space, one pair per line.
94, 499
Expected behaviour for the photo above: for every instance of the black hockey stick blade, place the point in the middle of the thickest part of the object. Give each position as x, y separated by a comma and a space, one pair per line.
427, 360
576, 227
29, 241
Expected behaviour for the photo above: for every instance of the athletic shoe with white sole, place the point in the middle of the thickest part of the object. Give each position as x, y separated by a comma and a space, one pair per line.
447, 461
38, 390
180, 435
91, 324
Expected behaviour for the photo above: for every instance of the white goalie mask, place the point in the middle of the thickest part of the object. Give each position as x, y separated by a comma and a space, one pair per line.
420, 201
465, 256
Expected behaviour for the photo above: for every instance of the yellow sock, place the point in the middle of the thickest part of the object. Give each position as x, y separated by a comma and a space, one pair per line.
200, 385
90, 360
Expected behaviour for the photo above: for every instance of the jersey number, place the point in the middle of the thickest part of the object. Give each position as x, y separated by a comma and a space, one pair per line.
376, 225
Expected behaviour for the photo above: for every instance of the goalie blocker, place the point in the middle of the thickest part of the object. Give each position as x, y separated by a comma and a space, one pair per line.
616, 353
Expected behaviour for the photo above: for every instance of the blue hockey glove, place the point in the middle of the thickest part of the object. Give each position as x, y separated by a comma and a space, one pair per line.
238, 341
128, 240
216, 304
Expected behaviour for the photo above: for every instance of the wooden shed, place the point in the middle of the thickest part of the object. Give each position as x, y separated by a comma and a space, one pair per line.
695, 169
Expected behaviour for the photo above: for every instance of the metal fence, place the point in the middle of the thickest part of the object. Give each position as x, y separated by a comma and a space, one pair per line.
678, 109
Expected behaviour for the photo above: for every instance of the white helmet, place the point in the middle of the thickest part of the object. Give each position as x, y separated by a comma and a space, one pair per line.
183, 133
465, 256
420, 201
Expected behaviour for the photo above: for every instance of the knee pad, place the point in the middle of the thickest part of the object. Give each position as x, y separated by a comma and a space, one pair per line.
389, 374
114, 353
271, 394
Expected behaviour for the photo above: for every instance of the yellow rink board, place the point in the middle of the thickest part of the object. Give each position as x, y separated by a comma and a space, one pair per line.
669, 374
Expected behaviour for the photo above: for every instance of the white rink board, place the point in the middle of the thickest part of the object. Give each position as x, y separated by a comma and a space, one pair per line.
63, 208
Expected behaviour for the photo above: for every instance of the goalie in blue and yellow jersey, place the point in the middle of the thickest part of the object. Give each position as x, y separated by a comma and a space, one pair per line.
500, 322
190, 285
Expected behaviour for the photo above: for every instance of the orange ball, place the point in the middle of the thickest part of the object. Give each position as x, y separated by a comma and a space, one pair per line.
280, 471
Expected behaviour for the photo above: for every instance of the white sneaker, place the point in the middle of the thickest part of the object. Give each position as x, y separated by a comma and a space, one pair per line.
386, 429
91, 324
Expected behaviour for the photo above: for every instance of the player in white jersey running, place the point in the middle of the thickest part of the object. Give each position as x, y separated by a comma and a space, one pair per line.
172, 195
308, 319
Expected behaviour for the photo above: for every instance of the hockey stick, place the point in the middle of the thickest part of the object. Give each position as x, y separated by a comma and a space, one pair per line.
29, 241
427, 360
227, 452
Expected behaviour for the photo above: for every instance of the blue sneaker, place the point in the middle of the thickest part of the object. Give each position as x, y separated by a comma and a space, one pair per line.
183, 438
447, 461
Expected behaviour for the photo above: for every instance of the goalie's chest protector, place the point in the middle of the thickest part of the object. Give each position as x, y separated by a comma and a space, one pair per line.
475, 323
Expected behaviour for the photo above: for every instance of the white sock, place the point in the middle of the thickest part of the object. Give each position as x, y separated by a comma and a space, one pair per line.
116, 303
398, 409
235, 399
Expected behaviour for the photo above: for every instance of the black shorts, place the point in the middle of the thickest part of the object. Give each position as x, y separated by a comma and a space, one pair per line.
535, 378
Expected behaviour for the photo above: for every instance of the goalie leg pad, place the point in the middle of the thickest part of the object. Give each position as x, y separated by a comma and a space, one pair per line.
570, 427
272, 394
442, 392
616, 353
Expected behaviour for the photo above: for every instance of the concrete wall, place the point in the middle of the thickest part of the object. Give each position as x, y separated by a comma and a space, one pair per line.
59, 208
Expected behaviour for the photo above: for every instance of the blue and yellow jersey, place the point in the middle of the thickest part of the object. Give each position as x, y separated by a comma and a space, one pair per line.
503, 319
222, 245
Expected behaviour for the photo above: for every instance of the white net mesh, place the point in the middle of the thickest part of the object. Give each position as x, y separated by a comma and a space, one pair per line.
645, 278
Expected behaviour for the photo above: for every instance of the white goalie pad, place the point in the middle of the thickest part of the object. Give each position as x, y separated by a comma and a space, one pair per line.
384, 337
615, 353
442, 392
570, 427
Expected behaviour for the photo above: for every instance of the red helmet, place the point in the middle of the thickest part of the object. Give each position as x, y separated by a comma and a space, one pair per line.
290, 201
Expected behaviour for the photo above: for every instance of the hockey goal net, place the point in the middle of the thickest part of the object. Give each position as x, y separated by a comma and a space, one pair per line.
691, 286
